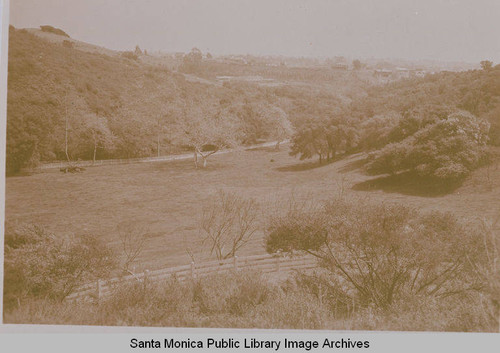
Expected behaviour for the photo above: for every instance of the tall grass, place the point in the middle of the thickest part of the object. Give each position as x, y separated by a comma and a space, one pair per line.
248, 300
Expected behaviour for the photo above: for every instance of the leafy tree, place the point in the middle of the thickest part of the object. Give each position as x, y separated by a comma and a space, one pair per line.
192, 60
310, 140
377, 131
275, 123
356, 64
156, 113
486, 64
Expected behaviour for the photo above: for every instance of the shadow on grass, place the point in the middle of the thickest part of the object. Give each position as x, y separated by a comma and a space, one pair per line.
355, 164
299, 167
408, 184
265, 149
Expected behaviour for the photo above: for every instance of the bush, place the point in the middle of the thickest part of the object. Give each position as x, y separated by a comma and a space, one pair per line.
167, 302
447, 150
130, 55
234, 293
391, 252
67, 44
54, 30
40, 265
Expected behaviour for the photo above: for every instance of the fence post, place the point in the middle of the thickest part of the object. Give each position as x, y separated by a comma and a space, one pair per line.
235, 262
193, 268
145, 278
99, 289
278, 260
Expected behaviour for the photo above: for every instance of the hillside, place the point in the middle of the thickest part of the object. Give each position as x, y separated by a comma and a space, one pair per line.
50, 83
475, 91
122, 105
138, 104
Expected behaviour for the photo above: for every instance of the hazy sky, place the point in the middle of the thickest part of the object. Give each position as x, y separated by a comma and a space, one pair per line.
453, 30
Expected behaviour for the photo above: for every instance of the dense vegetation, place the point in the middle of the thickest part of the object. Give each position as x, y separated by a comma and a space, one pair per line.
50, 29
66, 104
41, 265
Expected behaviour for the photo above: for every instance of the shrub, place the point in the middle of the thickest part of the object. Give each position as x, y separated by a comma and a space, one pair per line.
130, 55
40, 265
147, 304
54, 30
389, 253
446, 150
297, 309
234, 293
67, 44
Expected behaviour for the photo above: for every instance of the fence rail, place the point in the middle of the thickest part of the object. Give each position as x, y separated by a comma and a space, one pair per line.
263, 263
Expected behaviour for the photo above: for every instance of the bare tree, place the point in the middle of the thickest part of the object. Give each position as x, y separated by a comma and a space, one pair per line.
72, 106
207, 130
100, 134
133, 240
228, 223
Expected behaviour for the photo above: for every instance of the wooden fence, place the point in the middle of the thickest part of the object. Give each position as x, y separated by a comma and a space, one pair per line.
262, 263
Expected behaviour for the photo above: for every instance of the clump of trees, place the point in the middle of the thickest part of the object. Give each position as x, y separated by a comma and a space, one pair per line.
191, 61
324, 138
486, 64
446, 150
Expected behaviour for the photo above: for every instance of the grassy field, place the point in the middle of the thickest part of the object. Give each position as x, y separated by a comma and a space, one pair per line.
166, 198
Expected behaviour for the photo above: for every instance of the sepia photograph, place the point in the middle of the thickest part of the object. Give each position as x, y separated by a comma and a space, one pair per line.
280, 164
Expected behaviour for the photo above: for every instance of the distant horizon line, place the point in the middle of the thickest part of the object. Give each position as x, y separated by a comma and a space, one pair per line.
320, 57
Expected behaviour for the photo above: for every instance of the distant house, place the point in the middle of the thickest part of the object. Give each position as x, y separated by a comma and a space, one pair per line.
340, 66
382, 73
420, 73
403, 72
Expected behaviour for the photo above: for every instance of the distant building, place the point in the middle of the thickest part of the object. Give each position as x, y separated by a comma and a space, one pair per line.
382, 73
403, 72
420, 73
340, 66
